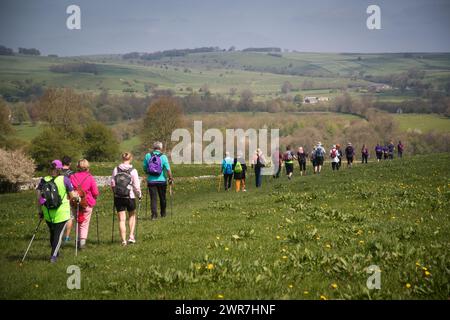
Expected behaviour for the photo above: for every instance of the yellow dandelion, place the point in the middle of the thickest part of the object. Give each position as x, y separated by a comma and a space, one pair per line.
290, 286
218, 238
361, 242
408, 285
322, 297
220, 296
334, 286
305, 292
427, 274
424, 269
417, 264
226, 249
285, 257
278, 237
328, 246
36, 286
210, 266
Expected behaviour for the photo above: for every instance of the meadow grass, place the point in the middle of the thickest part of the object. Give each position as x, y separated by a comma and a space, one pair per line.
309, 237
423, 122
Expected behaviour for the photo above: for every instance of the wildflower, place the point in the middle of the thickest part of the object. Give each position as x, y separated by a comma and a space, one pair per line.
36, 285
210, 266
408, 286
427, 274
424, 269
361, 242
322, 297
220, 296
226, 249
417, 264
218, 238
334, 286
305, 292
290, 286
278, 237
285, 257
328, 246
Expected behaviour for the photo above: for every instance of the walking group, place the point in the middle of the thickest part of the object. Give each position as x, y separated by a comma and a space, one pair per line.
236, 168
66, 198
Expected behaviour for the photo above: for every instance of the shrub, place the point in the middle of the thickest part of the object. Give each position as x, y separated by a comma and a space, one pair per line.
100, 143
53, 143
15, 168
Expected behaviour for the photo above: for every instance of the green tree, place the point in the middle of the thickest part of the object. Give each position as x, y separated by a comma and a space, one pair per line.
5, 116
163, 116
100, 143
53, 143
20, 113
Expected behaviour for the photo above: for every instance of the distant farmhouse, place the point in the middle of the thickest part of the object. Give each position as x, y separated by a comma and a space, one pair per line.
379, 87
313, 100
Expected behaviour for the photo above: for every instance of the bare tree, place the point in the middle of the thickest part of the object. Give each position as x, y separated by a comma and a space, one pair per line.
163, 116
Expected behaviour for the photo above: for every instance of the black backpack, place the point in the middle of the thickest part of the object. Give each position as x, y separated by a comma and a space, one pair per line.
49, 192
122, 180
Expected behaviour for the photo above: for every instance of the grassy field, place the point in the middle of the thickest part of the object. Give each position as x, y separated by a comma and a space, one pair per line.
309, 238
423, 122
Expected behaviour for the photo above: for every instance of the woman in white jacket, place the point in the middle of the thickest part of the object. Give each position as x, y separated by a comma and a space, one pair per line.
334, 155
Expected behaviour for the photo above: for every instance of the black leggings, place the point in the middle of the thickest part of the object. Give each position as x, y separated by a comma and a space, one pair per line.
335, 165
227, 178
56, 234
364, 158
155, 191
302, 165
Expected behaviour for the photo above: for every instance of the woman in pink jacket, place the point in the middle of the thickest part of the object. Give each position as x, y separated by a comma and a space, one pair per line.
84, 180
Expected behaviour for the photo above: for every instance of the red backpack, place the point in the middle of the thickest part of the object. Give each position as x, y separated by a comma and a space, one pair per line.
81, 193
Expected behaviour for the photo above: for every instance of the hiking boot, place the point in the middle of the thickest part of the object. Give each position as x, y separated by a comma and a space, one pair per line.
53, 259
131, 240
153, 218
66, 239
82, 244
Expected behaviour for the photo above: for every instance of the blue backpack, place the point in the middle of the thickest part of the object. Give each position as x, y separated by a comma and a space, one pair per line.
154, 165
228, 168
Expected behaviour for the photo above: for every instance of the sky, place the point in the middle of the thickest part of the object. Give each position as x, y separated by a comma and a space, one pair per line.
121, 26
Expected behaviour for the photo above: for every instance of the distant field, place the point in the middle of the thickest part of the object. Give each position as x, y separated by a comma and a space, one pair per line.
423, 122
261, 73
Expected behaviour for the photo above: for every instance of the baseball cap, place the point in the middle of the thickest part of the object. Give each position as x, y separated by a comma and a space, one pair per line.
57, 164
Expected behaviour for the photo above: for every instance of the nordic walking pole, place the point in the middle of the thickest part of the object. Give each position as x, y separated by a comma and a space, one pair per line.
171, 198
137, 219
32, 238
76, 228
112, 233
146, 202
98, 237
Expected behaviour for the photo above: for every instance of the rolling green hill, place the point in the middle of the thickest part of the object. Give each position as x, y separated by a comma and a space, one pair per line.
262, 73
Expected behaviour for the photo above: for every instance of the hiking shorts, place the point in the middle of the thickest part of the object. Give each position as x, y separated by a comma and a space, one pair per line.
289, 168
125, 204
319, 161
